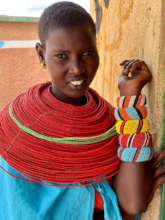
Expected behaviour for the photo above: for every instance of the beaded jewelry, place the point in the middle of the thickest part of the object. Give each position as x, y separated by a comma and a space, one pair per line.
135, 140
130, 113
127, 101
132, 126
43, 65
134, 154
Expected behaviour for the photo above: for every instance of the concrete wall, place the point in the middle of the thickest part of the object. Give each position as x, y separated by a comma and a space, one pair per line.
133, 29
20, 68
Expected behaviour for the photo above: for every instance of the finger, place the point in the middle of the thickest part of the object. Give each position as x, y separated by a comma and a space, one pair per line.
130, 64
159, 181
158, 158
125, 72
141, 67
159, 171
135, 67
127, 63
123, 62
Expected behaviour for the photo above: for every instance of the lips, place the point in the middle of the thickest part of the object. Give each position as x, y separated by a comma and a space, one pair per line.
77, 83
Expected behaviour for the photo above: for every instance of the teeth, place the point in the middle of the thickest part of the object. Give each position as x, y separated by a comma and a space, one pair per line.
77, 83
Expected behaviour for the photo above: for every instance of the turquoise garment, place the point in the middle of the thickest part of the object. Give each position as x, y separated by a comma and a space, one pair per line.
33, 201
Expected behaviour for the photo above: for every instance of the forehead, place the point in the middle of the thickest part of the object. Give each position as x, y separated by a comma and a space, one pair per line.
70, 38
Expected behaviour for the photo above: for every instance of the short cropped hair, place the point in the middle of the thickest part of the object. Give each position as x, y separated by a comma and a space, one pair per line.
63, 14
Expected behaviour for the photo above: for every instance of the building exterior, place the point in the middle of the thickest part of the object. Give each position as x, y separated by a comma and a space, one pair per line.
19, 64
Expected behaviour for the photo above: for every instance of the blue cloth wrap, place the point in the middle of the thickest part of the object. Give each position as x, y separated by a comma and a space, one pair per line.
34, 201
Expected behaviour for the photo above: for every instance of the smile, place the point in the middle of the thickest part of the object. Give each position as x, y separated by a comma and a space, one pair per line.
77, 82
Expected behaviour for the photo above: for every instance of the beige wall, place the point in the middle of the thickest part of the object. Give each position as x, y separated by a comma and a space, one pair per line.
18, 31
133, 29
20, 68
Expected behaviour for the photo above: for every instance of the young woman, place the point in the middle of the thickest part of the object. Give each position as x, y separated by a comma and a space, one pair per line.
58, 142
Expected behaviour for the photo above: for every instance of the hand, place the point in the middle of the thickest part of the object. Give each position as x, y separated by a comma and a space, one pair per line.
135, 74
158, 172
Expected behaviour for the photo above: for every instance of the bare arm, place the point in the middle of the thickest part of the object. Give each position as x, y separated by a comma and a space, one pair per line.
136, 182
133, 185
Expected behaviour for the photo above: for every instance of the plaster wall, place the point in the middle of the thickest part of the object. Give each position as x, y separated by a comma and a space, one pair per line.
19, 67
130, 29
18, 31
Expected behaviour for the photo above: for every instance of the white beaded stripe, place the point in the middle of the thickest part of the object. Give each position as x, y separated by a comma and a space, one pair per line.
131, 101
121, 101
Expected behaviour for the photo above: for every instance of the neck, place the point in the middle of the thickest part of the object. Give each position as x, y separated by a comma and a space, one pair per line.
73, 101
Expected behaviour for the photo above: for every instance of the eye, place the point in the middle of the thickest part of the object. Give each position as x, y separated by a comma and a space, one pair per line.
61, 56
87, 53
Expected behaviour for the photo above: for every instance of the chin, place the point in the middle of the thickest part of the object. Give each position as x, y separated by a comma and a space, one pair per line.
77, 95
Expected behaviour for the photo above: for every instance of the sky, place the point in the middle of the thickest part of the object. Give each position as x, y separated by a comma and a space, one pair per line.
31, 8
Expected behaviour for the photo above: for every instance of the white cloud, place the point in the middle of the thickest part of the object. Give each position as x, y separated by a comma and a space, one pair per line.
22, 7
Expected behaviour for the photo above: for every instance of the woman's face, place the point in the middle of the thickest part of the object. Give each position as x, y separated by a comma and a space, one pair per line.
71, 57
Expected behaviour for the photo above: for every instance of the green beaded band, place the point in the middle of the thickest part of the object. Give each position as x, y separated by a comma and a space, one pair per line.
68, 140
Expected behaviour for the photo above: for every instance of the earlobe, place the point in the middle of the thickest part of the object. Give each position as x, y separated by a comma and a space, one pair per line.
40, 52
43, 65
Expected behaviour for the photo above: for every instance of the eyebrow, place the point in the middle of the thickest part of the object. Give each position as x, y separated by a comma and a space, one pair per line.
60, 50
67, 51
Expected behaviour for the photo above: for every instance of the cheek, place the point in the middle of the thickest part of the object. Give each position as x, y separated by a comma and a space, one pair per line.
97, 63
56, 73
97, 60
56, 69
93, 65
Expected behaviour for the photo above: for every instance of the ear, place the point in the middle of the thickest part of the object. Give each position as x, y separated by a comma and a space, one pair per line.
40, 52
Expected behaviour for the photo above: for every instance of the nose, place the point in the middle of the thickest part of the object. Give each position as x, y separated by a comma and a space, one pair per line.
76, 67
